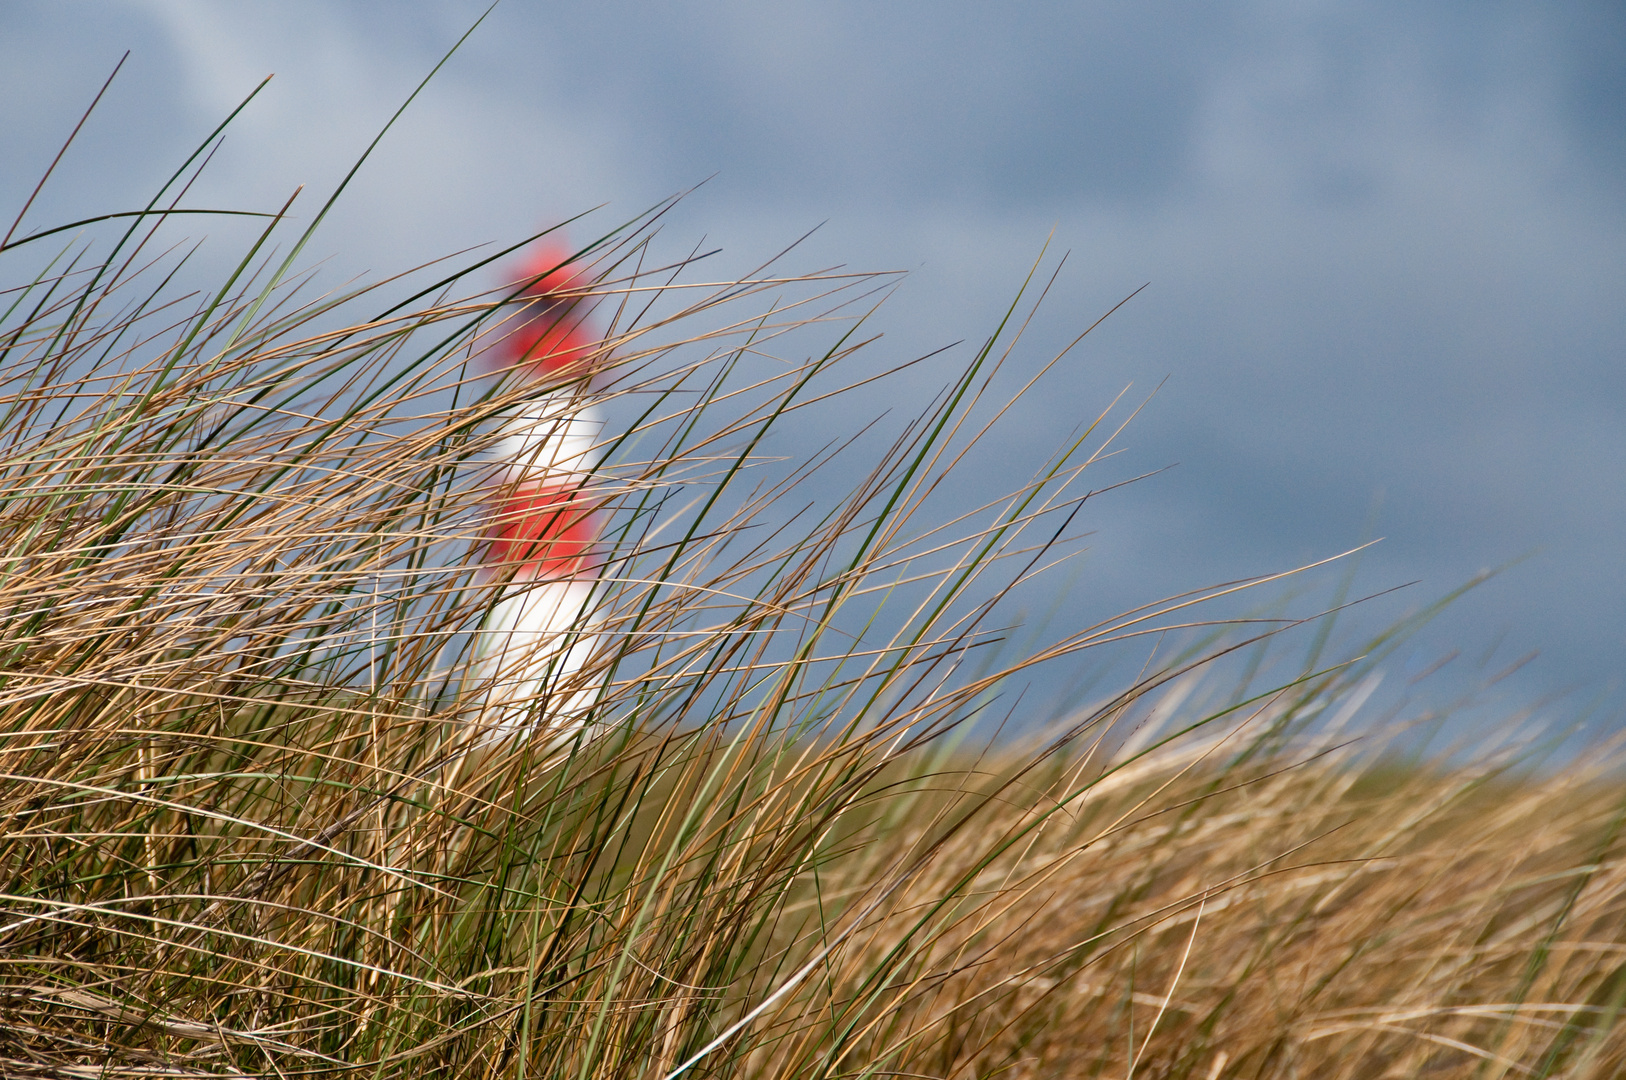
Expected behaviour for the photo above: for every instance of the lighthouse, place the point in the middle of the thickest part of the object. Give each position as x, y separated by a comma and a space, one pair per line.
532, 659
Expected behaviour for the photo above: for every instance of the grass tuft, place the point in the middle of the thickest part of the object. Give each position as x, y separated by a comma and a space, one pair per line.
246, 831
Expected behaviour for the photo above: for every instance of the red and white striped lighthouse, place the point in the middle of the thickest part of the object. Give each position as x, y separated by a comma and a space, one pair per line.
532, 653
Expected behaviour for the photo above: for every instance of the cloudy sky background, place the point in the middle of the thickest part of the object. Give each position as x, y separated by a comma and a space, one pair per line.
1385, 242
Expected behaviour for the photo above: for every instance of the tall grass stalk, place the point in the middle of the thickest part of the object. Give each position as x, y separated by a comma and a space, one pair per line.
246, 832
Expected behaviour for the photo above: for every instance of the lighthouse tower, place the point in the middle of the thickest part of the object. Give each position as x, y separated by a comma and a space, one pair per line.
532, 655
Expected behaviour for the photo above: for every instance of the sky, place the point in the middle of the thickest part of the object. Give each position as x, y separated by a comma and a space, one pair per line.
1384, 244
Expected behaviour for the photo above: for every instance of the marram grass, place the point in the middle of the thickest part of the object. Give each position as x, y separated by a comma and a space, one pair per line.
245, 832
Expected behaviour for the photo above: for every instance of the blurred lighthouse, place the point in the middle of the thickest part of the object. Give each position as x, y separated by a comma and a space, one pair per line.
532, 654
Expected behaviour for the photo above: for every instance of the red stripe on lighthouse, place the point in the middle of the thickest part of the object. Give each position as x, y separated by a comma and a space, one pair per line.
550, 334
548, 531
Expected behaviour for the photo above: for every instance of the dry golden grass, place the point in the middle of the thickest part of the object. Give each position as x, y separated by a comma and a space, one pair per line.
246, 833
1278, 918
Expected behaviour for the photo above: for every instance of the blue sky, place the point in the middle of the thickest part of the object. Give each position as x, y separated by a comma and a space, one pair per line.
1386, 242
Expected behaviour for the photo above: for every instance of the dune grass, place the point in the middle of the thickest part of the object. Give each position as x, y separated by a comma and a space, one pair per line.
246, 834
